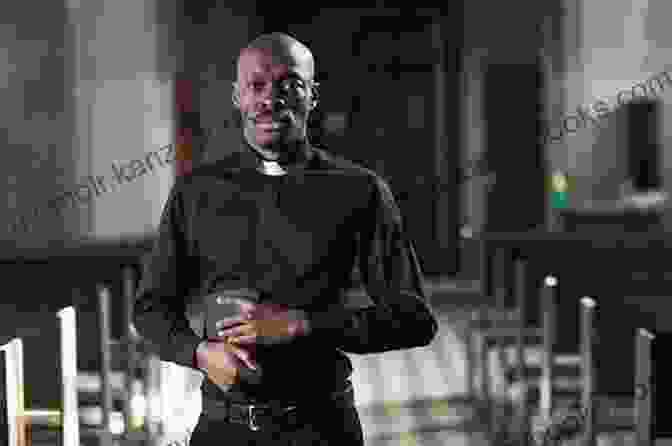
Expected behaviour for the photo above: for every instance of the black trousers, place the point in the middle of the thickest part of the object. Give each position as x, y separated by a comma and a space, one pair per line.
323, 425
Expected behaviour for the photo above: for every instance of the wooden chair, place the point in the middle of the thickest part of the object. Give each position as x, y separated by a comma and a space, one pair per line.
526, 354
607, 413
17, 417
20, 423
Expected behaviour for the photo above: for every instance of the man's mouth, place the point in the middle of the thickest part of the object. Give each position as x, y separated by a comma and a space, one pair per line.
272, 120
270, 125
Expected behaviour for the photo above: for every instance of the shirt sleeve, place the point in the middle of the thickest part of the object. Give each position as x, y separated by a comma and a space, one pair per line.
401, 317
159, 310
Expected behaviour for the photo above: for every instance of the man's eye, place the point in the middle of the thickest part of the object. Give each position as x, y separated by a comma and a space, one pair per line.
286, 85
257, 86
293, 84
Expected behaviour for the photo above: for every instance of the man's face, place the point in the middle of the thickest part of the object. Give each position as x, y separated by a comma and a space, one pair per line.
274, 97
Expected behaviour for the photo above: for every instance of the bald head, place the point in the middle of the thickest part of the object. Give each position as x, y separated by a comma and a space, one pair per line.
275, 91
280, 49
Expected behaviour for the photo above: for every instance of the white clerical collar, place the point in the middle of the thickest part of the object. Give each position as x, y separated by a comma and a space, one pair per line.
272, 168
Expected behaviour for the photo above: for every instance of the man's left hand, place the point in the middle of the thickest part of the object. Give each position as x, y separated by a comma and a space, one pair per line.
266, 324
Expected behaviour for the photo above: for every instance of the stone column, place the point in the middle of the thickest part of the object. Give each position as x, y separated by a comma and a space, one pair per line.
124, 115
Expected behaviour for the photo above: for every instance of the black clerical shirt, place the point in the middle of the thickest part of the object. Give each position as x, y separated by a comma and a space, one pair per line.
296, 238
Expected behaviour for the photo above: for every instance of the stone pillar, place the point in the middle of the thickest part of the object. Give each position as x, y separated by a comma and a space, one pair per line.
124, 115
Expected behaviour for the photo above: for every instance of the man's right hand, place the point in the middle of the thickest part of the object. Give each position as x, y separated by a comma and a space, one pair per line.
222, 362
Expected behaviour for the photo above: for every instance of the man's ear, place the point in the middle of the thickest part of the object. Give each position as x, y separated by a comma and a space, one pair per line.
315, 96
235, 96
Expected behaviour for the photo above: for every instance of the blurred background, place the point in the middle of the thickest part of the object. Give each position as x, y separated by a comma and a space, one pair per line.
468, 110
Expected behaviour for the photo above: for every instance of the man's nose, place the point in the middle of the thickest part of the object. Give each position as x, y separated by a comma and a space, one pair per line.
274, 96
275, 101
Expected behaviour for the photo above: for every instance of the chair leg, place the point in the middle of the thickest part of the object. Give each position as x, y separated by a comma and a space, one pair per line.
481, 339
15, 414
587, 372
18, 417
522, 412
68, 324
154, 428
549, 315
471, 352
479, 342
498, 415
105, 356
129, 287
643, 387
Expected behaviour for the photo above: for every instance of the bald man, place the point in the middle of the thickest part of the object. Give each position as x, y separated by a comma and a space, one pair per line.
271, 234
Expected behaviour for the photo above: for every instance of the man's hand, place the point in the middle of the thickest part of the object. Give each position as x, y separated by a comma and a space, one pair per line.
222, 362
266, 324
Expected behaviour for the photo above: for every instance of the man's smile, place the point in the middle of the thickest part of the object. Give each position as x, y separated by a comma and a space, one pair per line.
271, 125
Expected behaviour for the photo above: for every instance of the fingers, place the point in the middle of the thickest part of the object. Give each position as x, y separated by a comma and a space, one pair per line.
227, 322
259, 332
224, 378
244, 298
245, 329
247, 307
222, 368
226, 366
244, 355
245, 340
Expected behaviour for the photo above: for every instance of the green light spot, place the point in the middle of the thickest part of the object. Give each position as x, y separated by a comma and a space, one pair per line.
559, 190
559, 200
